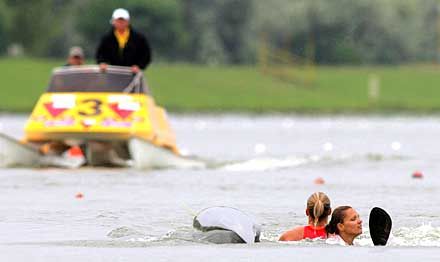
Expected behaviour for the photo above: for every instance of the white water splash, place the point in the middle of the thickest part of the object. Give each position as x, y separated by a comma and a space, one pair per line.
425, 235
287, 124
396, 146
421, 236
122, 232
184, 152
264, 164
275, 163
260, 149
327, 147
200, 125
143, 239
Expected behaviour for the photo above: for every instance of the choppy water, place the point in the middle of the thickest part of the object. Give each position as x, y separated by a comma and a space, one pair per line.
265, 166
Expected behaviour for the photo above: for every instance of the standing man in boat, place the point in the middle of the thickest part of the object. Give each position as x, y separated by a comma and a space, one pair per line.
122, 45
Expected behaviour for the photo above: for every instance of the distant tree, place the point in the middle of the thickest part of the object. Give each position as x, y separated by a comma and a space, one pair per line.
233, 27
429, 47
218, 31
201, 44
208, 45
4, 21
229, 31
162, 22
37, 24
346, 31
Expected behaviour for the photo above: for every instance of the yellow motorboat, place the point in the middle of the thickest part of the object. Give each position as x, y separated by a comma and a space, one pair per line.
110, 116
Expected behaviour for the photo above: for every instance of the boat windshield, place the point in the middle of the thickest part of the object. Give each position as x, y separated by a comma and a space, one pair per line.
91, 79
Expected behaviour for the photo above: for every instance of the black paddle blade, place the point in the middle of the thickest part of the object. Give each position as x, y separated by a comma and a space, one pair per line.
380, 226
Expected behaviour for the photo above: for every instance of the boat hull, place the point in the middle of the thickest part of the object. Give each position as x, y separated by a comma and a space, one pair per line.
146, 155
107, 116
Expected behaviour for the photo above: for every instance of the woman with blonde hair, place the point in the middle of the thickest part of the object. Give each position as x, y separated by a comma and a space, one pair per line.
318, 210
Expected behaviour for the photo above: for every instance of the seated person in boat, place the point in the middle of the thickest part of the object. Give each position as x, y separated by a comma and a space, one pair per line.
76, 56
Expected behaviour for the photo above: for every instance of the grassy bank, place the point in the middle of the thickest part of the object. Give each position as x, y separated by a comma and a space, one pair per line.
182, 87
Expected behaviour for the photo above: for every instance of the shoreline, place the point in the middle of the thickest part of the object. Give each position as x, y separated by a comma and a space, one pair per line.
193, 88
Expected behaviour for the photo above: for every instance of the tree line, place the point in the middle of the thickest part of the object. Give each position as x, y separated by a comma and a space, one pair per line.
231, 31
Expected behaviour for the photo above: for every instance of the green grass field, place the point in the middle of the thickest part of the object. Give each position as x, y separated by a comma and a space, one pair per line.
197, 88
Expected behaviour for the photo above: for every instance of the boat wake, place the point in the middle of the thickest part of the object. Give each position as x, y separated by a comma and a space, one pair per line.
277, 163
147, 156
419, 236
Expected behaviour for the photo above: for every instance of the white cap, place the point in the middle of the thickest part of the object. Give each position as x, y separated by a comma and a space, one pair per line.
76, 51
120, 13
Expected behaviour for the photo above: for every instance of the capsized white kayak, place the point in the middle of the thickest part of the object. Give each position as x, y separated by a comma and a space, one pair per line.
219, 217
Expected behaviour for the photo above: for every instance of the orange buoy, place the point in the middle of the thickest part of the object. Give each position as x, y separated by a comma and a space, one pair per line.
319, 181
75, 151
79, 195
417, 174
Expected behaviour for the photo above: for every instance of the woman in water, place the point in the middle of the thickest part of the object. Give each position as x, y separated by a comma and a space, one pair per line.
345, 225
318, 210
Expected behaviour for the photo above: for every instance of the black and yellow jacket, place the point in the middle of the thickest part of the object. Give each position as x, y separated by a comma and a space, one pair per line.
137, 50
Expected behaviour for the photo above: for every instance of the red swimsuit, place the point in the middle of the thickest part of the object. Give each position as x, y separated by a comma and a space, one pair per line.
314, 232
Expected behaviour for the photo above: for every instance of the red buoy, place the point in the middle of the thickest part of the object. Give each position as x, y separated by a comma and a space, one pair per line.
319, 181
79, 195
417, 174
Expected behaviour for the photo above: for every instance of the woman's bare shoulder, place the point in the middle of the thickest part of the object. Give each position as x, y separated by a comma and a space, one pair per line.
294, 234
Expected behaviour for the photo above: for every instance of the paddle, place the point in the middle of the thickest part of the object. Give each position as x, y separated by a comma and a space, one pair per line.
380, 226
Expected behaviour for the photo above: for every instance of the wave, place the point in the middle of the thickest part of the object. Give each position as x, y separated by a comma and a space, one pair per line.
419, 236
425, 235
277, 163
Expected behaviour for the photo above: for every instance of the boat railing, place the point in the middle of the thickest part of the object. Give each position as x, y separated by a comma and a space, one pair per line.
90, 78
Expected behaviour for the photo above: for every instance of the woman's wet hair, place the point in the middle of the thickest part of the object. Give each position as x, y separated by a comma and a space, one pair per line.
318, 206
338, 216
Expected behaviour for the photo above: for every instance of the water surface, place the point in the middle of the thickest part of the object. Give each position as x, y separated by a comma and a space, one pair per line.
265, 166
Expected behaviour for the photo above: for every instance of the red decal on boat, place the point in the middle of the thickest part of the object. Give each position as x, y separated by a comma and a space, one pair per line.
54, 112
124, 113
